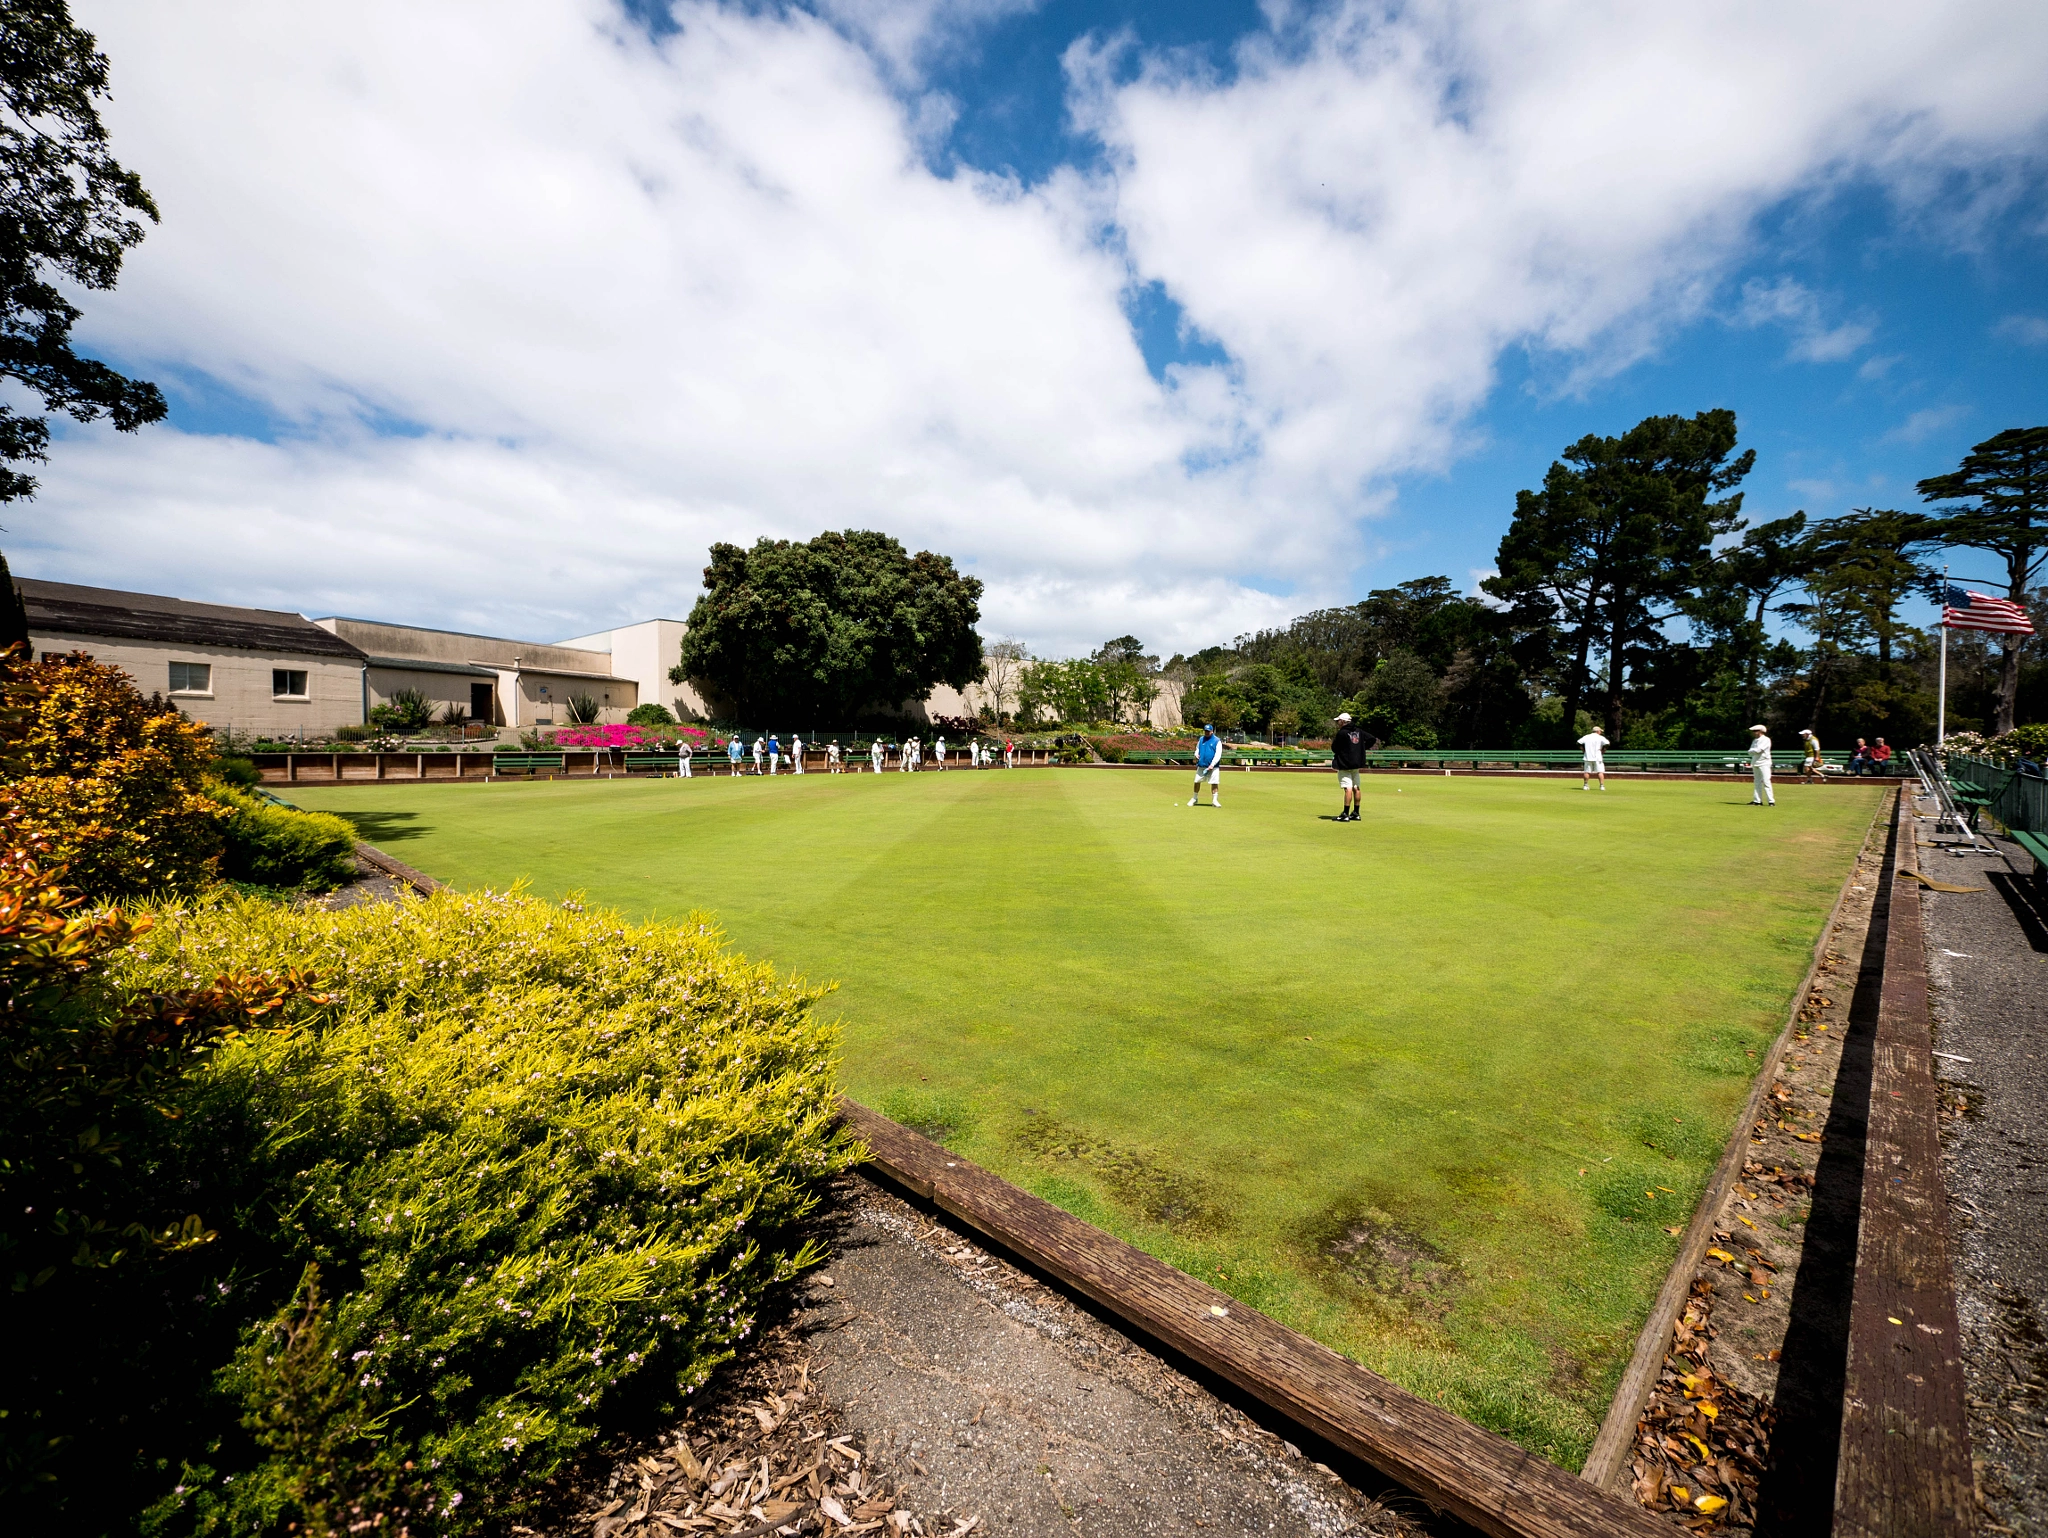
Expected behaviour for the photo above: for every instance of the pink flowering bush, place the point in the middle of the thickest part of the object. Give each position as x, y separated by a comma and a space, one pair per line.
630, 739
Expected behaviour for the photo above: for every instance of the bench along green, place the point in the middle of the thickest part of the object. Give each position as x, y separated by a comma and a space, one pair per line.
2035, 844
1975, 798
660, 763
528, 763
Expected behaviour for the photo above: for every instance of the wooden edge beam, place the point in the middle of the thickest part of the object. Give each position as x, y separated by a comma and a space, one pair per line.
1617, 1434
1904, 1469
1476, 1475
377, 859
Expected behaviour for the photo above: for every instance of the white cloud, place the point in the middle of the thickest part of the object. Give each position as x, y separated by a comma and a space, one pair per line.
1922, 425
2028, 330
1875, 368
909, 34
638, 295
1789, 303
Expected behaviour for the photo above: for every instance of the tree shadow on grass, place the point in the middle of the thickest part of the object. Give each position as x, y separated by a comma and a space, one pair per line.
381, 828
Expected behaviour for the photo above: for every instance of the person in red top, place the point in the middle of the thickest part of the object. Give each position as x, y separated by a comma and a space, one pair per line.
1880, 755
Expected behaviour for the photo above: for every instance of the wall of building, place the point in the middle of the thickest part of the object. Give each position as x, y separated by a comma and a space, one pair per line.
535, 681
644, 653
238, 696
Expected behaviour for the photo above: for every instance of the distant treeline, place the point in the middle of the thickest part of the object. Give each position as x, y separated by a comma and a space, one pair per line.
1631, 594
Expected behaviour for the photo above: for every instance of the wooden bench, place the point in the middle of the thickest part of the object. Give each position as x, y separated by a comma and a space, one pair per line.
660, 763
525, 763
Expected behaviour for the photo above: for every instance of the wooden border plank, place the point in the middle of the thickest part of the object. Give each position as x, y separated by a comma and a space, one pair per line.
377, 859
1905, 1459
1616, 1438
1478, 1476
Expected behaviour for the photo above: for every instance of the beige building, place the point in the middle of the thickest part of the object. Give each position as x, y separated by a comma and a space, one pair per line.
644, 653
259, 671
513, 684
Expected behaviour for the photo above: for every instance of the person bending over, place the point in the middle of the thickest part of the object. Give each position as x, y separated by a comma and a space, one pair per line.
1594, 745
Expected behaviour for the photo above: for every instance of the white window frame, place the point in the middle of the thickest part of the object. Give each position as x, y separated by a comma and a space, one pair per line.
188, 693
305, 683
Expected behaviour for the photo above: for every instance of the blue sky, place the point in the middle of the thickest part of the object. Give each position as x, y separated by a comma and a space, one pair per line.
1168, 318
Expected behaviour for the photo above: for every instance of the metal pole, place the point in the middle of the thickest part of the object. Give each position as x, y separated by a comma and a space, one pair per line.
1941, 695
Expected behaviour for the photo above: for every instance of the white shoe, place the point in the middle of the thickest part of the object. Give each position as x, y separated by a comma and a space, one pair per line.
1194, 803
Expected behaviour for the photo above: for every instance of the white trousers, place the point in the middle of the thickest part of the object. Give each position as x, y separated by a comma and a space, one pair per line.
1762, 793
683, 769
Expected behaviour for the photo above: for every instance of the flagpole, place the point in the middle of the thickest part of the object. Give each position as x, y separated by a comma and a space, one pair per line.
1941, 697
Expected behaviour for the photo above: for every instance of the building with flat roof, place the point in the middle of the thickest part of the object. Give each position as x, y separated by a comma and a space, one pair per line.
492, 679
261, 671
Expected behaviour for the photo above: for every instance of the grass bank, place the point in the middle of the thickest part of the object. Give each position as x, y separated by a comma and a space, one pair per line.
1432, 1087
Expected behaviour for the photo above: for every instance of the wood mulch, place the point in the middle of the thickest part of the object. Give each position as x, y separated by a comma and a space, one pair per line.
767, 1457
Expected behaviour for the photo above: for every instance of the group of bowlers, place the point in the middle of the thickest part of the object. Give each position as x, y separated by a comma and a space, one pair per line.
1350, 744
768, 755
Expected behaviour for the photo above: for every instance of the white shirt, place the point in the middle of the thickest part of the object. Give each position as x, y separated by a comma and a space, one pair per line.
1760, 751
1593, 742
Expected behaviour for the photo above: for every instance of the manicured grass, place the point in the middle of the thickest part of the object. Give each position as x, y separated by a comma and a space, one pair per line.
1431, 1087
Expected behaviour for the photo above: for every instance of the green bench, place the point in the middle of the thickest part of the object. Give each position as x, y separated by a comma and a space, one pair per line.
525, 763
2035, 844
660, 763
1973, 798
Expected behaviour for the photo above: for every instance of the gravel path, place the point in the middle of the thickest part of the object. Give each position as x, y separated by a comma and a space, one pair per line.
1987, 961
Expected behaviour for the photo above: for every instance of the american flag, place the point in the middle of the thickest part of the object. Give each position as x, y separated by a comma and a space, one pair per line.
1964, 610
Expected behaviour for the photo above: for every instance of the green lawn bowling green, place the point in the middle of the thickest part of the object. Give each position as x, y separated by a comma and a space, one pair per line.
1433, 1087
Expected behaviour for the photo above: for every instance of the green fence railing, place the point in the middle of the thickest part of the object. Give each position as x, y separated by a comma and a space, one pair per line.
2021, 802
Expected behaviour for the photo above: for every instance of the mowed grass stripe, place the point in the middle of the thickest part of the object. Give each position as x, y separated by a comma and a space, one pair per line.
1349, 1073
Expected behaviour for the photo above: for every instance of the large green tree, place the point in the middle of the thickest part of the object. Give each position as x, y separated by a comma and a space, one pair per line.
68, 214
819, 632
1997, 500
1621, 533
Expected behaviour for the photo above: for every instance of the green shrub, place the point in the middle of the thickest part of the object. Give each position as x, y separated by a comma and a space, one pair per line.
241, 773
546, 1163
408, 710
280, 846
650, 714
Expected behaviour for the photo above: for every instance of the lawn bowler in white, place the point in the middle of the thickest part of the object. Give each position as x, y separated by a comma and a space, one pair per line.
760, 751
684, 753
1760, 768
833, 763
1594, 744
1209, 763
939, 752
733, 754
876, 753
796, 753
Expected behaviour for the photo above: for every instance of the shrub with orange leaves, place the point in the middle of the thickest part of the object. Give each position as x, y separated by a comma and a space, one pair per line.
106, 782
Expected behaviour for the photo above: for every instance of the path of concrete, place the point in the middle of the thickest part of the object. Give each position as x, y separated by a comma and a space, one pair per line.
1987, 962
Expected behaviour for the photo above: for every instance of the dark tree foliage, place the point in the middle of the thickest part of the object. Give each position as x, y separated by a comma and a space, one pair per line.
816, 634
1997, 500
68, 213
13, 614
1620, 535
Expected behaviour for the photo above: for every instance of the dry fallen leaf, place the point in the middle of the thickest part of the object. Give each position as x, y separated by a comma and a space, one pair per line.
1709, 1504
1722, 1255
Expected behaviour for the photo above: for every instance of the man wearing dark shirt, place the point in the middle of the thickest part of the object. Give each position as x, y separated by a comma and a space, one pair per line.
1347, 756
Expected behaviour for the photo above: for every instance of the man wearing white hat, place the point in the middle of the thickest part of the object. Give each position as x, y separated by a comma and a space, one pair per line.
1760, 768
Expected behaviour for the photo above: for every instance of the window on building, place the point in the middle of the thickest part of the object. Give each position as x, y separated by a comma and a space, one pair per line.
191, 677
288, 683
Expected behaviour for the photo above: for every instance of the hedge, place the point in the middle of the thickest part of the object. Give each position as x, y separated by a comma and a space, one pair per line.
515, 1176
281, 846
